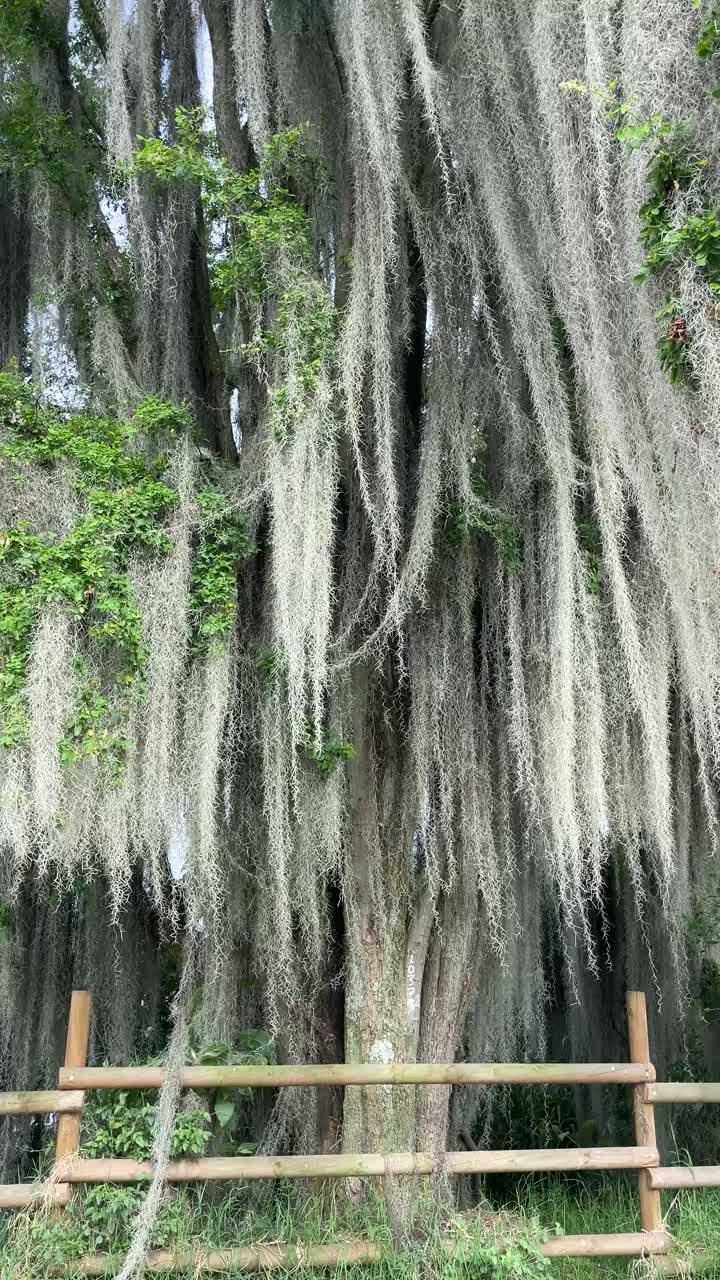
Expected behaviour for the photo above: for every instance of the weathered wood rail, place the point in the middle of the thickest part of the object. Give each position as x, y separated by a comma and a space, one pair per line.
683, 1176
41, 1102
682, 1093
76, 1079
249, 1168
272, 1077
270, 1257
23, 1195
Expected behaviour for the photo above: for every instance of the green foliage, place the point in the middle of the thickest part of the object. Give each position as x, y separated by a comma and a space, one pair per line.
85, 572
96, 727
271, 665
591, 543
698, 239
483, 517
25, 24
326, 754
265, 250
670, 169
126, 503
636, 135
107, 1212
518, 1258
34, 135
302, 1220
213, 586
253, 1048
482, 514
162, 417
673, 168
708, 45
31, 137
122, 1124
674, 343
101, 1221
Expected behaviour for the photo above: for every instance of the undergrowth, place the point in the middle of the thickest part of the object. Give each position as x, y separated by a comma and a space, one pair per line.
485, 1244
489, 1243
611, 1205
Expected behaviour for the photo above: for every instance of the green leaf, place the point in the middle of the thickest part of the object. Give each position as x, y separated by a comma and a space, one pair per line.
217, 1052
224, 1112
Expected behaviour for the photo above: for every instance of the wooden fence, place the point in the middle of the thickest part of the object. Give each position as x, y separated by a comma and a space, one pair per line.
76, 1078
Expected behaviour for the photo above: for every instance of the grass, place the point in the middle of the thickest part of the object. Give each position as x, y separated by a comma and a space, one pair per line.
691, 1217
242, 1216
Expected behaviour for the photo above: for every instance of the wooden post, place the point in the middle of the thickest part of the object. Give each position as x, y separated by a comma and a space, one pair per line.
650, 1204
76, 1052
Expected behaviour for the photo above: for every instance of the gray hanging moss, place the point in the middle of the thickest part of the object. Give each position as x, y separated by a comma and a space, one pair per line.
454, 759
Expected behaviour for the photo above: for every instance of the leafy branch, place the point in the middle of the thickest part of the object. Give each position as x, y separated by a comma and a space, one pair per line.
262, 250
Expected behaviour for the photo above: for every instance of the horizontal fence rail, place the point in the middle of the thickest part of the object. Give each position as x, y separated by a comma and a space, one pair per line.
37, 1102
41, 1102
707, 1175
25, 1195
366, 1166
272, 1257
682, 1093
341, 1073
71, 1170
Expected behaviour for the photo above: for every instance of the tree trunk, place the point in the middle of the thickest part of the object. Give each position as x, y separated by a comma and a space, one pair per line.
377, 1025
445, 998
384, 949
408, 964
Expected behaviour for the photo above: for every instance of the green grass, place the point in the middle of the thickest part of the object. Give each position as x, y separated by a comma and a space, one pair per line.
210, 1217
579, 1207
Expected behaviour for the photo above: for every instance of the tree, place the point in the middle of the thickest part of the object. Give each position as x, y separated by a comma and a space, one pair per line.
420, 627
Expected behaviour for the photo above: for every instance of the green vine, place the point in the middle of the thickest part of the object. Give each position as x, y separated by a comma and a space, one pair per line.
271, 665
674, 343
591, 543
482, 515
86, 571
263, 251
213, 583
328, 754
674, 167
117, 471
708, 45
485, 518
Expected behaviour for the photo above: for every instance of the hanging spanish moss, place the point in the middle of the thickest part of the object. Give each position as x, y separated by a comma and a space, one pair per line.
362, 571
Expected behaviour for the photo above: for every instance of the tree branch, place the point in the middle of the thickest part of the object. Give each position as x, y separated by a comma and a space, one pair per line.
94, 23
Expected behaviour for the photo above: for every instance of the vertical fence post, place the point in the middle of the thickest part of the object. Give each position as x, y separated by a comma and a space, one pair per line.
650, 1205
76, 1052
